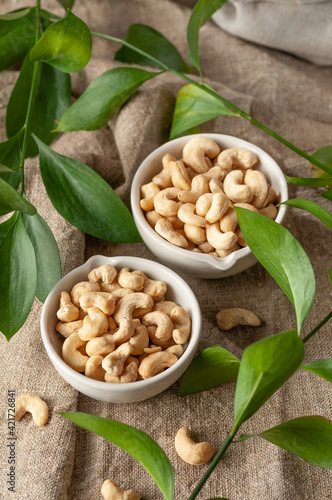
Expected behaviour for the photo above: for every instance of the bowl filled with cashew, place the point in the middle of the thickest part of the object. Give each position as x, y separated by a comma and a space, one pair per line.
121, 329
183, 197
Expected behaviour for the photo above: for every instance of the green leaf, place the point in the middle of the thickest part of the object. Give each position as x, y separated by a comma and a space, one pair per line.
84, 198
213, 367
309, 438
5, 170
310, 206
66, 45
138, 444
10, 157
17, 33
11, 200
265, 366
52, 98
153, 43
18, 278
194, 106
102, 98
327, 194
46, 252
67, 4
201, 13
309, 181
6, 226
324, 156
283, 257
322, 368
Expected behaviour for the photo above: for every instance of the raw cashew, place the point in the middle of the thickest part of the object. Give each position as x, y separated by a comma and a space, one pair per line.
164, 202
212, 206
240, 238
199, 186
224, 253
165, 307
67, 329
235, 190
216, 186
270, 211
175, 221
81, 288
229, 221
105, 273
94, 324
71, 355
205, 247
157, 289
230, 318
156, 341
204, 203
125, 332
179, 175
156, 363
163, 322
114, 362
177, 350
272, 196
102, 345
195, 234
259, 187
102, 300
191, 452
236, 157
187, 214
163, 179
128, 375
195, 151
140, 339
34, 405
216, 173
165, 229
148, 192
182, 324
130, 280
121, 292
219, 240
127, 305
152, 217
93, 368
152, 349
110, 287
67, 310
111, 325
110, 491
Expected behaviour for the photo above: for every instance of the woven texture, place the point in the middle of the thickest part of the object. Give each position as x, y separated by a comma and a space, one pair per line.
60, 461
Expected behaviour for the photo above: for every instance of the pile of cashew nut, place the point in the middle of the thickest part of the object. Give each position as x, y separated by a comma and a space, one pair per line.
190, 202
119, 328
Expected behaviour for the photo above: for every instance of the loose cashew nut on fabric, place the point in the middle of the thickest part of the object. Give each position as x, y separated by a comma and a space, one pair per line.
117, 326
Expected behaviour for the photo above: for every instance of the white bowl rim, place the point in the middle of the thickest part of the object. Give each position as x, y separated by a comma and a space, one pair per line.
223, 263
117, 388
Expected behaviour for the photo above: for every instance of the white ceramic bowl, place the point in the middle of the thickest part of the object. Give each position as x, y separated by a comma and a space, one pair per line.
178, 291
192, 263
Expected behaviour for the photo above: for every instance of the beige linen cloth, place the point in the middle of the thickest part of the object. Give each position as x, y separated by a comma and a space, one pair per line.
60, 461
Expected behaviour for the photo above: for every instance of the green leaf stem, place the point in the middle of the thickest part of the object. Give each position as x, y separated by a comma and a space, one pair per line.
84, 198
66, 45
309, 181
102, 98
138, 444
310, 206
213, 367
283, 257
193, 106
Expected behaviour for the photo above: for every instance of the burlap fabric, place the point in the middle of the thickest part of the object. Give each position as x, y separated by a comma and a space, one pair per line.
60, 461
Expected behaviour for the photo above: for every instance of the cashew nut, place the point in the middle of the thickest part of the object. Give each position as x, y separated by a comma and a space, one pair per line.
195, 151
272, 196
179, 175
235, 190
127, 305
163, 322
34, 405
128, 375
259, 187
182, 324
125, 332
156, 363
110, 491
81, 288
229, 221
110, 287
270, 211
224, 253
165, 307
157, 289
102, 345
114, 362
219, 240
102, 300
165, 229
191, 452
148, 192
130, 280
236, 157
105, 273
240, 238
121, 292
94, 324
71, 355
67, 329
152, 349
152, 217
164, 202
216, 186
215, 173
163, 179
67, 310
205, 247
175, 221
140, 339
177, 350
93, 368
195, 234
230, 318
199, 186
158, 342
187, 214
111, 325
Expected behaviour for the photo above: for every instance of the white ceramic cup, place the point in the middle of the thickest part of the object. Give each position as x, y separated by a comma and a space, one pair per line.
178, 291
180, 259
